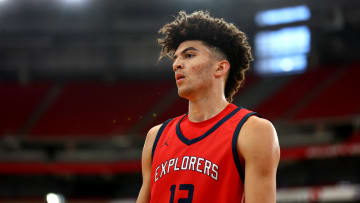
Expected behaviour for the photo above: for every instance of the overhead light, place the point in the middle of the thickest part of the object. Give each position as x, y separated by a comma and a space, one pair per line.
74, 1
55, 198
285, 41
281, 65
282, 51
283, 15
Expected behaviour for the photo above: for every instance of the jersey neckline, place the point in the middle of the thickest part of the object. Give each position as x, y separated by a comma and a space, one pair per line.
200, 124
211, 130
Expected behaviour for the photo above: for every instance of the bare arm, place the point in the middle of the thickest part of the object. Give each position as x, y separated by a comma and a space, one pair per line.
146, 160
258, 143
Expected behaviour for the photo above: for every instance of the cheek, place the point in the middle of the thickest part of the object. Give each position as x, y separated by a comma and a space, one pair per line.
203, 71
199, 69
198, 66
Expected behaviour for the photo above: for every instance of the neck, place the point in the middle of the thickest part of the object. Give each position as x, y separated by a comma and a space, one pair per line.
206, 107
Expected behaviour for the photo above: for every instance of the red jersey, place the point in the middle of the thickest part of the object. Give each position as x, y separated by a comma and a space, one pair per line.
199, 162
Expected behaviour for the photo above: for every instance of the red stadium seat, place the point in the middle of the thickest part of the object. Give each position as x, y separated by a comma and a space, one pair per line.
292, 93
18, 102
341, 99
97, 109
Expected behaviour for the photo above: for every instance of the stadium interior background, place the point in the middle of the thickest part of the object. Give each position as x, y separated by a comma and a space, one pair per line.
80, 85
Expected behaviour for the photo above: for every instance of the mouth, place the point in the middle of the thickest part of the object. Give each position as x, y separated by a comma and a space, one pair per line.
179, 77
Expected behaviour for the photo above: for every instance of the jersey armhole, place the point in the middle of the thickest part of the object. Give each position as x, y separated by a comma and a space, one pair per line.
158, 137
235, 152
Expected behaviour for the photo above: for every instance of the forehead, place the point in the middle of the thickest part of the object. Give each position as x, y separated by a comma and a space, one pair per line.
197, 44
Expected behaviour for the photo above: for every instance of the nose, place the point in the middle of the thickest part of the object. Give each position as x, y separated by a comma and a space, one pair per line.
177, 65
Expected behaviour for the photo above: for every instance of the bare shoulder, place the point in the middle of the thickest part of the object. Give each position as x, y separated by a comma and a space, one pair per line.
258, 125
151, 135
258, 140
148, 145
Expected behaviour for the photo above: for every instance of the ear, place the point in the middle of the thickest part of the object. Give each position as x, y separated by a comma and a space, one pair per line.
222, 68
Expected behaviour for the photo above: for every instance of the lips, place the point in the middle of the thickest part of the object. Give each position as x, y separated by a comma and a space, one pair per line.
179, 76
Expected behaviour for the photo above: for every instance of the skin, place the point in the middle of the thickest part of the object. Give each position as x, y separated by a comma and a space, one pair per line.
205, 73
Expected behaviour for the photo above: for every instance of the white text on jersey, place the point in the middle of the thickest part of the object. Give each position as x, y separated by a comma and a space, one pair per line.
187, 163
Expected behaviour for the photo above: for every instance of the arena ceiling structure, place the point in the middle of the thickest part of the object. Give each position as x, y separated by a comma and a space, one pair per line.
107, 39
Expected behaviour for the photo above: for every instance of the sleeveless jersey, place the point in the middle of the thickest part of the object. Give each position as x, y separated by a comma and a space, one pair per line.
199, 162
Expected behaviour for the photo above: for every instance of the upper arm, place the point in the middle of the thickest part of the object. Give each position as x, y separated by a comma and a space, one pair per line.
146, 157
146, 161
258, 144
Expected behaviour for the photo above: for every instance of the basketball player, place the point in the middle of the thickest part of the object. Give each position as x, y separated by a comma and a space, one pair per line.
217, 152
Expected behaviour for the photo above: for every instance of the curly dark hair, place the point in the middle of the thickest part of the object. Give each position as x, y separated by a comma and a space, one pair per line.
214, 32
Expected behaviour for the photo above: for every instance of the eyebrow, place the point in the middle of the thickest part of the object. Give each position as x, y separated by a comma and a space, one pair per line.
185, 50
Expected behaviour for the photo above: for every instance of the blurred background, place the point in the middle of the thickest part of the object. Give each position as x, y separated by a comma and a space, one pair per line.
80, 86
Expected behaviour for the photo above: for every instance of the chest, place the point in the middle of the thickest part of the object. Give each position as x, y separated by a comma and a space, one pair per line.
206, 157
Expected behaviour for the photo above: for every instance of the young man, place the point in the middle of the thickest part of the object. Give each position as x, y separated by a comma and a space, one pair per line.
217, 152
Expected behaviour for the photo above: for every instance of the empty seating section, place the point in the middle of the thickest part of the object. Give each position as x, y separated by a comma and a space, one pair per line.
293, 92
18, 102
354, 138
250, 79
340, 99
177, 108
96, 109
93, 108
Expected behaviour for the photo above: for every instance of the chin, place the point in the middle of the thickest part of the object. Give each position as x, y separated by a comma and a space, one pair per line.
184, 93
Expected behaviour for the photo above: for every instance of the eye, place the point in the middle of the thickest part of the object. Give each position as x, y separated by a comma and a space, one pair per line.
189, 55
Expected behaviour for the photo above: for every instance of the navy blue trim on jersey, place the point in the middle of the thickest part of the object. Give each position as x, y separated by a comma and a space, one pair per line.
211, 130
158, 137
234, 145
